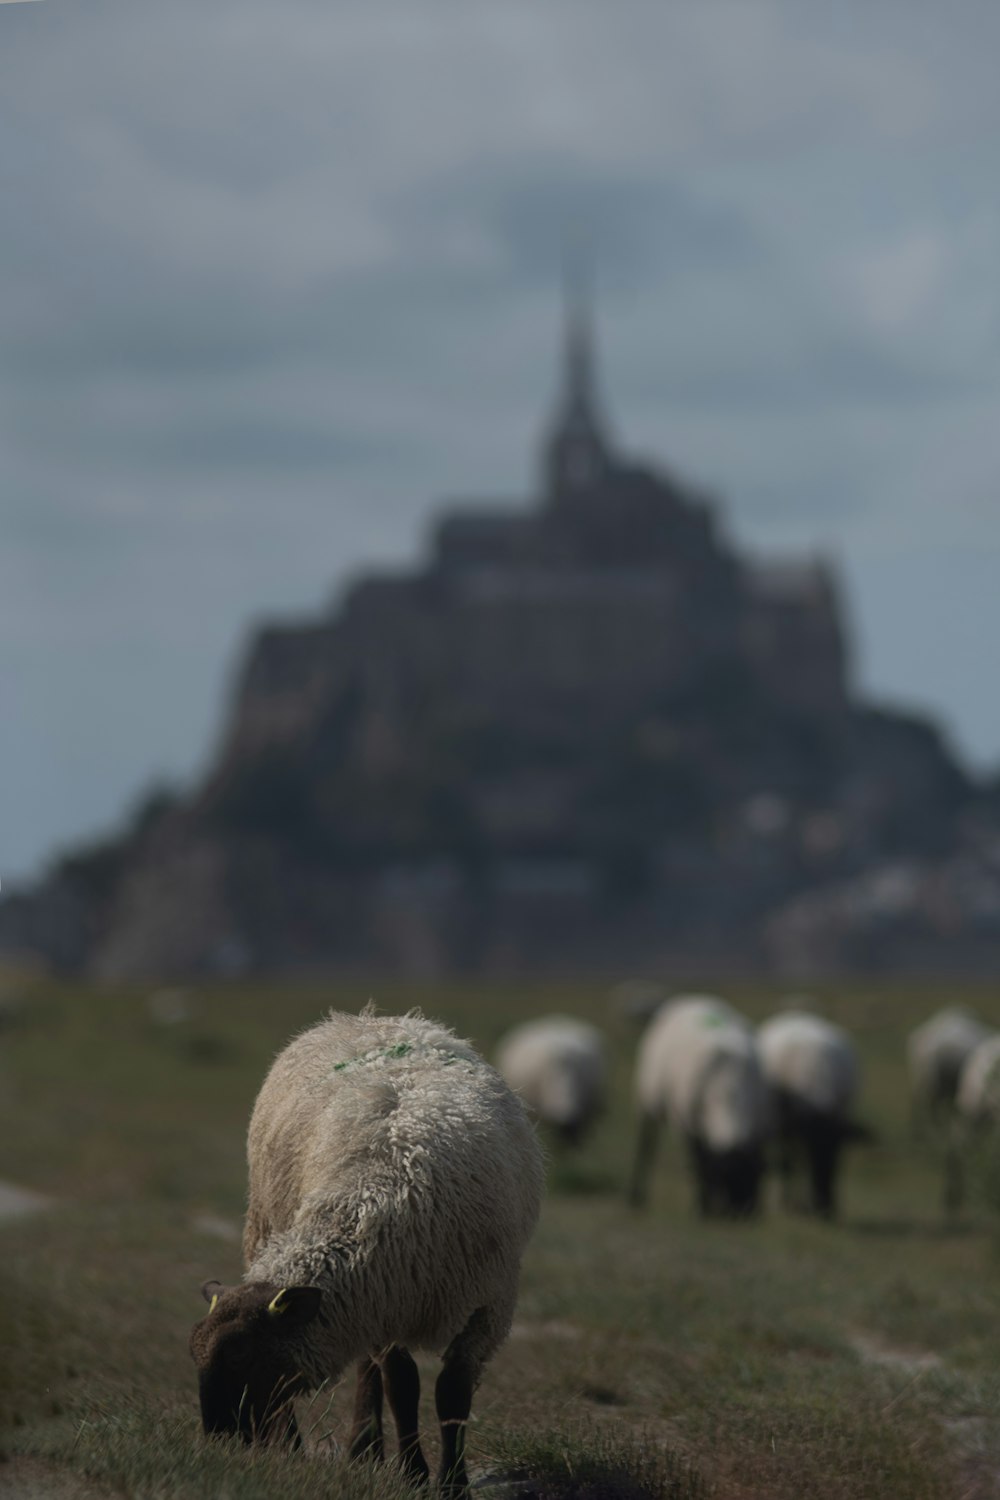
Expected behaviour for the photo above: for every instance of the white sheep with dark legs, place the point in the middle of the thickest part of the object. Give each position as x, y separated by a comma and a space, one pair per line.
558, 1066
698, 1069
811, 1067
394, 1181
937, 1052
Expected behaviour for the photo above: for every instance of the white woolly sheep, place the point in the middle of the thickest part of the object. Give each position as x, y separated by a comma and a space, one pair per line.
559, 1068
977, 1097
698, 1068
937, 1052
394, 1181
976, 1111
811, 1067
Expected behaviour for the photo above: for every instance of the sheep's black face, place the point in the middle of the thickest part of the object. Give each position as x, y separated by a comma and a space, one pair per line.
244, 1351
728, 1181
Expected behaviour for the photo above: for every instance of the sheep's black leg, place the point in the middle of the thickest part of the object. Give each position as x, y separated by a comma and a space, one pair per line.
453, 1395
785, 1162
366, 1430
402, 1387
463, 1362
786, 1144
705, 1172
645, 1151
822, 1141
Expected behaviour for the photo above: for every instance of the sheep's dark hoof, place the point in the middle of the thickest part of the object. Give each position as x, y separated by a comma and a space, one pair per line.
455, 1484
414, 1466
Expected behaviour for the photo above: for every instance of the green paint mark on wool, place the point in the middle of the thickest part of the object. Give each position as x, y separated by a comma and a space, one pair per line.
401, 1049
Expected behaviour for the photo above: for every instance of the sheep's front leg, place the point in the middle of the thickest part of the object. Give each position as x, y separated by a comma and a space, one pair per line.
366, 1430
402, 1386
823, 1149
705, 1171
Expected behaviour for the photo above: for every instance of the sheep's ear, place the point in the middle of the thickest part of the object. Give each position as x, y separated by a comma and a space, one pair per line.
212, 1291
295, 1305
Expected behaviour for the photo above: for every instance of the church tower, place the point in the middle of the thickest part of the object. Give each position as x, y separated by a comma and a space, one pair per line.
577, 454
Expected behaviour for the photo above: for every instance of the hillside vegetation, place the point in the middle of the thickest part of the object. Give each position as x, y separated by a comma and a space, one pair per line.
653, 1355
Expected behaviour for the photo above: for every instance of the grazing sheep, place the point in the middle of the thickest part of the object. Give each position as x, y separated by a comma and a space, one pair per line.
394, 1181
559, 1068
812, 1070
976, 1112
698, 1068
977, 1097
936, 1052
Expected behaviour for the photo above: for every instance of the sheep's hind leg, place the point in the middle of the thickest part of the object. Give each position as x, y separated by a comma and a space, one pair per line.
366, 1431
823, 1146
462, 1365
402, 1386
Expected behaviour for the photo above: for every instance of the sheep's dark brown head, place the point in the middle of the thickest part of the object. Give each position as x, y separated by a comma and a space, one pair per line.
245, 1352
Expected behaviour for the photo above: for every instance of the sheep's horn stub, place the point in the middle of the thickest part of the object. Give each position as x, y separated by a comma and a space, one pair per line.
298, 1304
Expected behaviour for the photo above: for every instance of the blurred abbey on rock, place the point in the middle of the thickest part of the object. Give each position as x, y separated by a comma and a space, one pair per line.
585, 734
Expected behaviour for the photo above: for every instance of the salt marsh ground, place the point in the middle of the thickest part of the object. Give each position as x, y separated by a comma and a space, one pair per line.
653, 1355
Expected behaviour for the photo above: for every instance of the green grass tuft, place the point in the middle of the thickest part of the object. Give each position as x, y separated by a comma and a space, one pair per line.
576, 1464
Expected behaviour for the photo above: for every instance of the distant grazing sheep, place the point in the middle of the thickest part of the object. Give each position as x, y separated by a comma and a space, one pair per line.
977, 1112
978, 1094
394, 1181
811, 1067
559, 1068
937, 1052
698, 1068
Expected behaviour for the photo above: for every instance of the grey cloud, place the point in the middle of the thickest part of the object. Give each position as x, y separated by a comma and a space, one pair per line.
540, 209
274, 278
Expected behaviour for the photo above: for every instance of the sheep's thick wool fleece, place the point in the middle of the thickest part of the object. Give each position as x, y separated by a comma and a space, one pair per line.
938, 1050
557, 1066
698, 1066
810, 1059
979, 1084
392, 1167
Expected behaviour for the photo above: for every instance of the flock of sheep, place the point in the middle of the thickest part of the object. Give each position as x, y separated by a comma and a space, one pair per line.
955, 1084
395, 1178
729, 1093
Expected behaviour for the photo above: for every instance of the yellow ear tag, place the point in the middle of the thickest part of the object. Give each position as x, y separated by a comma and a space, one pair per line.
211, 1305
276, 1306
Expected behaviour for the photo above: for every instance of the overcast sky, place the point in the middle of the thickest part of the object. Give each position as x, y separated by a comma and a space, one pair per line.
277, 278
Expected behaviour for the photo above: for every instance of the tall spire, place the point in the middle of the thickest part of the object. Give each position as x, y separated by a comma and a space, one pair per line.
577, 453
579, 344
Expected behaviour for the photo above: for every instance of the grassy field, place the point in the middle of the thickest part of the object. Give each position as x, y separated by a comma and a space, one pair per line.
652, 1355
